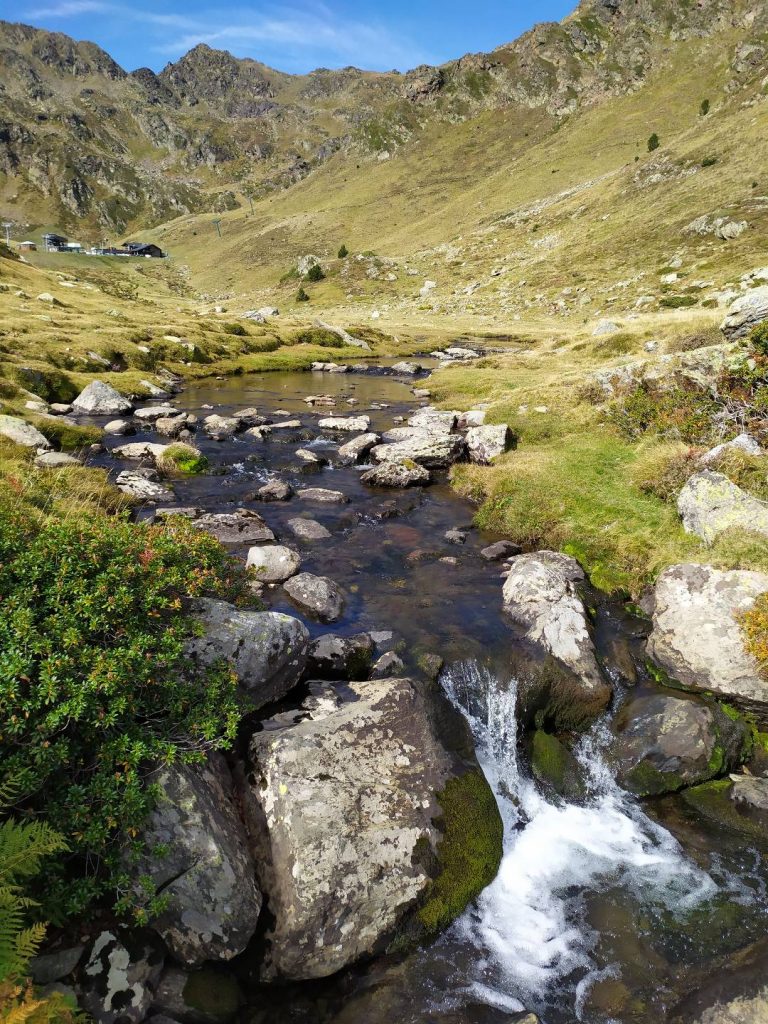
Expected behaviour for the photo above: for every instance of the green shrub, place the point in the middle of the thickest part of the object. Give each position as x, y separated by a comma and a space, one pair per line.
301, 296
758, 339
704, 108
709, 161
237, 329
182, 458
677, 412
343, 252
653, 142
318, 336
315, 273
677, 301
94, 684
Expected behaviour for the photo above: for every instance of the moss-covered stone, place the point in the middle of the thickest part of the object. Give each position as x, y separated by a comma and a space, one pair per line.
469, 853
51, 385
554, 765
712, 800
66, 437
212, 994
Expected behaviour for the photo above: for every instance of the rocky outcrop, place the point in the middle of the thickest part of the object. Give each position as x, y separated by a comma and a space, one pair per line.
205, 871
316, 595
697, 638
22, 433
100, 399
487, 442
743, 443
267, 650
342, 808
745, 313
666, 742
541, 595
710, 504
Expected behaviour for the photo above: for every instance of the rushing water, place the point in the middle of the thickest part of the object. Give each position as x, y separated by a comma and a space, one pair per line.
599, 911
534, 946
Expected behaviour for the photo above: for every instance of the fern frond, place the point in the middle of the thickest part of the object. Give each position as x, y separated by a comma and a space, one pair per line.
23, 845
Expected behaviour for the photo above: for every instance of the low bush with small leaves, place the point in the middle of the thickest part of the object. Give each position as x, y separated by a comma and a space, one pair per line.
754, 624
758, 339
94, 683
235, 329
301, 296
653, 142
315, 273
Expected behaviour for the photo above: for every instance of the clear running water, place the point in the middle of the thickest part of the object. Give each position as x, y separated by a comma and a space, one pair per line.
534, 946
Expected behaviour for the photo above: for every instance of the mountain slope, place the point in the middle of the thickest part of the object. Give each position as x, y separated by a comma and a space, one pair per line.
84, 143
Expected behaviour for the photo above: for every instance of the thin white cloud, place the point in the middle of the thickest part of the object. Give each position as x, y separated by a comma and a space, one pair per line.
293, 38
69, 9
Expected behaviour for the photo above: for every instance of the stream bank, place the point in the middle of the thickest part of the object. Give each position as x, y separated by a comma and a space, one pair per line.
599, 911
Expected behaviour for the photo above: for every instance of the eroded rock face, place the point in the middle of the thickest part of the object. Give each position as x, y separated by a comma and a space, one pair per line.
666, 742
338, 807
206, 870
487, 442
541, 595
268, 650
120, 975
697, 638
745, 313
710, 503
23, 433
100, 399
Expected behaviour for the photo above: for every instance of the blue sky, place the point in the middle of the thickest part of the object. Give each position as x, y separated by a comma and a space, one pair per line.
293, 35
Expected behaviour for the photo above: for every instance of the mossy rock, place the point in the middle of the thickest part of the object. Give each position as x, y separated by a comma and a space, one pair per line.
715, 928
555, 766
212, 994
469, 853
66, 437
51, 385
712, 800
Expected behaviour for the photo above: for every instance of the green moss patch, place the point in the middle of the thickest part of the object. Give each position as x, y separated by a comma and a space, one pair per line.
469, 853
712, 800
553, 764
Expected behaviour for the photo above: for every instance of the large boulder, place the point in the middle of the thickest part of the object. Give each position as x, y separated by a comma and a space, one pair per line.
317, 596
745, 313
140, 450
56, 460
120, 975
697, 637
100, 399
666, 742
354, 424
434, 421
144, 485
736, 804
486, 442
205, 870
397, 474
433, 451
340, 657
743, 443
239, 527
541, 595
344, 817
355, 449
22, 433
710, 503
267, 650
274, 563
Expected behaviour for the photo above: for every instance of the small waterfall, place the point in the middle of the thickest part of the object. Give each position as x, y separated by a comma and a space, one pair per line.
534, 946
